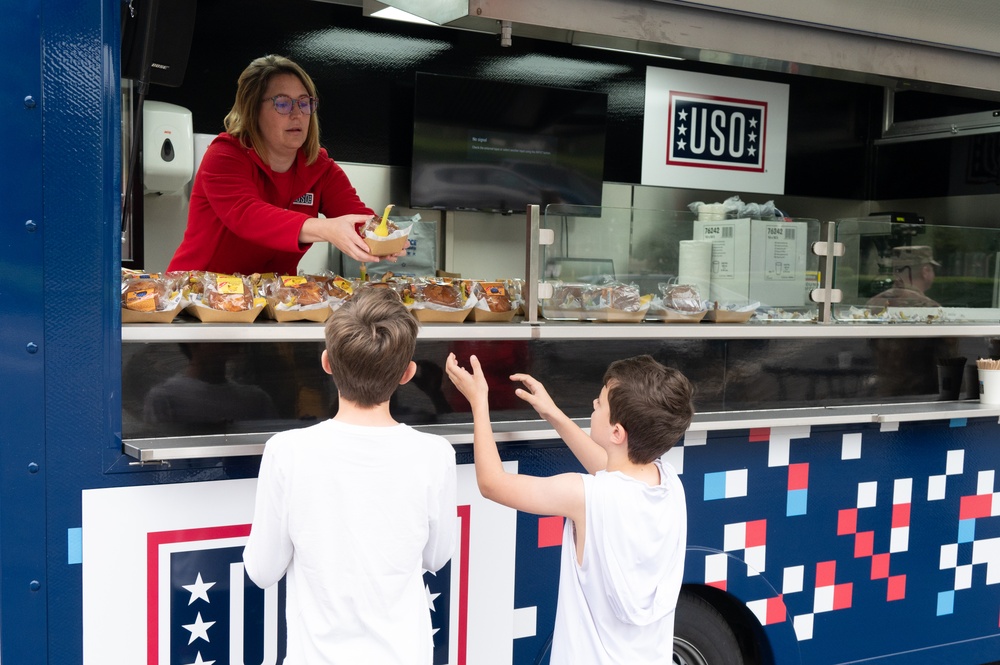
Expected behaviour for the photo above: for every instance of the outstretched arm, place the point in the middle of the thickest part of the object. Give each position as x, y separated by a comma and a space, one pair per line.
554, 495
591, 456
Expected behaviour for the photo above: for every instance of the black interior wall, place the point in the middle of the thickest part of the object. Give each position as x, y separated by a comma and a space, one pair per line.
364, 70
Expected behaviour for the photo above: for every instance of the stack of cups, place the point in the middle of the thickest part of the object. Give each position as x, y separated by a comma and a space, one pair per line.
989, 381
711, 212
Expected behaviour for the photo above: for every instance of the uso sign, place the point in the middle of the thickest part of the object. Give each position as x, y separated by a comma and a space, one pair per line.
714, 132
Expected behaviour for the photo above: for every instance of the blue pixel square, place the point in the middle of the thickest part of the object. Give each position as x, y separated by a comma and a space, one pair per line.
946, 602
966, 531
74, 545
958, 422
797, 500
715, 485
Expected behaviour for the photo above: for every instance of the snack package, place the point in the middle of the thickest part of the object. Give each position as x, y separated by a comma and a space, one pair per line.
148, 298
395, 242
225, 299
492, 301
438, 300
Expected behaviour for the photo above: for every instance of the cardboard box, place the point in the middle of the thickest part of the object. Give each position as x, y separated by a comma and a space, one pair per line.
206, 314
478, 314
166, 316
316, 314
730, 279
778, 254
428, 315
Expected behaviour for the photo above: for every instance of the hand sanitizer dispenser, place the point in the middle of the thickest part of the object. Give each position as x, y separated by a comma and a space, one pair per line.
167, 147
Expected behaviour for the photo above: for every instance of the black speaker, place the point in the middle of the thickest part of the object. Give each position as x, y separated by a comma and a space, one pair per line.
157, 32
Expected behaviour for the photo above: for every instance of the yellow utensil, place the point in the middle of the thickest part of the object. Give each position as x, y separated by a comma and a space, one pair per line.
382, 229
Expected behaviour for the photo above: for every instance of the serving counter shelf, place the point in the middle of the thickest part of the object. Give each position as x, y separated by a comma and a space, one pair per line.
165, 450
182, 331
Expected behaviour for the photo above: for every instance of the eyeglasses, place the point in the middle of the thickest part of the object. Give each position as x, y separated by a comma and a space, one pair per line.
284, 104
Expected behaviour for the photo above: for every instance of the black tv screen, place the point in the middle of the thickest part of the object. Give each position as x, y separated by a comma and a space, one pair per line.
500, 146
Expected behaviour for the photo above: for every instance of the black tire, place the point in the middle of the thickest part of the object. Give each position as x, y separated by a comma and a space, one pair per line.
701, 634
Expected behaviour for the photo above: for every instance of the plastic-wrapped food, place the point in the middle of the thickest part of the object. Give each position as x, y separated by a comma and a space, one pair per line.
227, 293
613, 295
682, 298
146, 294
442, 293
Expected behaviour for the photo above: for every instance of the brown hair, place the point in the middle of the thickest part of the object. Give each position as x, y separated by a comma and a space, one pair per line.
370, 342
651, 402
242, 120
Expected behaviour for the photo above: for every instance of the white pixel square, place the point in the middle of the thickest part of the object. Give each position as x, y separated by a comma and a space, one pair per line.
949, 556
955, 463
525, 622
754, 557
734, 537
867, 493
715, 568
899, 539
984, 483
777, 451
695, 438
995, 505
823, 600
902, 490
736, 483
803, 624
936, 486
850, 448
963, 577
675, 458
791, 581
988, 552
759, 609
889, 426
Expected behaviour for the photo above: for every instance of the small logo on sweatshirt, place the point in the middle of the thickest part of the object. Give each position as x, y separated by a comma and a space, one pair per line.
304, 200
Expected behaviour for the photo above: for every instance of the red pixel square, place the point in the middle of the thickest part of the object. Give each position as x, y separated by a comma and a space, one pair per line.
897, 588
775, 610
825, 573
798, 476
900, 515
842, 595
880, 566
550, 530
760, 434
847, 521
864, 544
756, 533
978, 505
721, 584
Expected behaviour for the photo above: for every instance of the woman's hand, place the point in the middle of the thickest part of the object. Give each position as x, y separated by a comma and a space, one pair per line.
340, 232
473, 385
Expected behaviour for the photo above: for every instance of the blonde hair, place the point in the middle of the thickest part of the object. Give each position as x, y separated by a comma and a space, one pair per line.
242, 120
370, 342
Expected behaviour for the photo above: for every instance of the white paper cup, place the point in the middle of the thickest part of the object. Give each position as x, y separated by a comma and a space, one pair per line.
989, 386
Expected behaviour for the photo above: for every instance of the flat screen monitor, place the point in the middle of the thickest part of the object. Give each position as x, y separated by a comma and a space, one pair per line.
500, 147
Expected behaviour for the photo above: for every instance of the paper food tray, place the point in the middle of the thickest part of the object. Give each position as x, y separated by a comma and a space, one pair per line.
209, 315
478, 314
166, 316
728, 316
316, 314
671, 316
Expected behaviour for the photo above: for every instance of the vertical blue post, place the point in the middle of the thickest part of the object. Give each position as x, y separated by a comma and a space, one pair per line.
60, 348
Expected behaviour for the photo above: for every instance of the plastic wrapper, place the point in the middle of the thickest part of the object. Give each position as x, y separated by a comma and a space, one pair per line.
734, 207
393, 243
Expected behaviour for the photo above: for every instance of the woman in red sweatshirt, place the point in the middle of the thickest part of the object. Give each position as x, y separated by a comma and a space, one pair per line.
262, 184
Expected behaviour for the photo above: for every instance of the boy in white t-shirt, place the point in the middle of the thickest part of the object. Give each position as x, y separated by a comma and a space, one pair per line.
354, 509
623, 544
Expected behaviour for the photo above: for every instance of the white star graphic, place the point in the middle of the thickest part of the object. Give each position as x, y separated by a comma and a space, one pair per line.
199, 590
753, 122
430, 598
199, 629
751, 151
682, 129
683, 115
199, 661
681, 144
752, 136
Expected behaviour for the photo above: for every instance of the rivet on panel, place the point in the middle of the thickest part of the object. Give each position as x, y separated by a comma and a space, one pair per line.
34, 585
30, 226
29, 102
33, 467
32, 347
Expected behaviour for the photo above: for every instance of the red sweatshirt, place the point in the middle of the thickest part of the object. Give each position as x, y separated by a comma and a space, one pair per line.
245, 218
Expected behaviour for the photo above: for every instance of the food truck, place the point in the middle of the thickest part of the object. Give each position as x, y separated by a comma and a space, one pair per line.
840, 471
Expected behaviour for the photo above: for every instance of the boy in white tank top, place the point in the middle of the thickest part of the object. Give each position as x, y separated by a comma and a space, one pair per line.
624, 542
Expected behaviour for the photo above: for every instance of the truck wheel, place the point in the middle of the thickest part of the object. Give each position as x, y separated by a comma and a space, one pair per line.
701, 634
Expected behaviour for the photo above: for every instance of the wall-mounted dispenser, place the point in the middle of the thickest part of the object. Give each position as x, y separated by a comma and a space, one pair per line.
167, 147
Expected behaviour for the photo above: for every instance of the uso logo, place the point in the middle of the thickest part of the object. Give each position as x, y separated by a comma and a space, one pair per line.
716, 132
